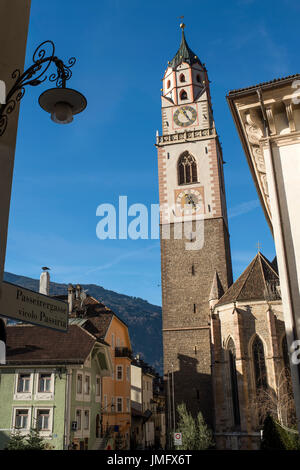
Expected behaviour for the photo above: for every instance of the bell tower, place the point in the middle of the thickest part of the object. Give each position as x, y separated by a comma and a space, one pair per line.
194, 230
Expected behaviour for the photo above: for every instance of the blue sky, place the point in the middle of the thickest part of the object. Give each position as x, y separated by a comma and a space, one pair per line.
62, 173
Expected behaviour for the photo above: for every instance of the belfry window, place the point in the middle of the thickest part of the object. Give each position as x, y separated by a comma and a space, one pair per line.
234, 382
182, 78
183, 95
168, 84
187, 169
259, 364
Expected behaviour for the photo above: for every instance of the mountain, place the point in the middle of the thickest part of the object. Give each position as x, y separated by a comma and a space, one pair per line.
143, 319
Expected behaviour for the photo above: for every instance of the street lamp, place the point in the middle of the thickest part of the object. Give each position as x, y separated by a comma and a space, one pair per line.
61, 102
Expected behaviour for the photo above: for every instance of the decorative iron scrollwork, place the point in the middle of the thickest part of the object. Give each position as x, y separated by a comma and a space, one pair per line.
43, 57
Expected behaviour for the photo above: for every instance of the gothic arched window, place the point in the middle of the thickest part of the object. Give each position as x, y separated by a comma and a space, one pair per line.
259, 363
234, 382
183, 95
182, 78
187, 169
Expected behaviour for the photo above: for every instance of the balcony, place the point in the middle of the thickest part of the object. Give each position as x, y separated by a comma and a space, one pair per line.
123, 352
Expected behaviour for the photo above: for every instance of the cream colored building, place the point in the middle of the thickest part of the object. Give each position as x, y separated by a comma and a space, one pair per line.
142, 430
267, 117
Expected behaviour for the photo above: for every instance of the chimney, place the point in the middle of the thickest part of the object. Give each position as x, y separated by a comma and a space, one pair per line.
78, 291
71, 297
45, 281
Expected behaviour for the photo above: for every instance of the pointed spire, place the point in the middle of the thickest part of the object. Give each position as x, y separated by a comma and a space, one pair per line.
184, 53
217, 290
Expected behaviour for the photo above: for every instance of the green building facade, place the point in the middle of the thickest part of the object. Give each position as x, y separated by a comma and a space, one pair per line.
53, 381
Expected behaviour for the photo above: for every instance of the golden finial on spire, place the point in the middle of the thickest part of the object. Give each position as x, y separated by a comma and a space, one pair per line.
182, 25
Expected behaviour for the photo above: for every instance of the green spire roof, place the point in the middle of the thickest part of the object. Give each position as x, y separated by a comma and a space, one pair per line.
184, 54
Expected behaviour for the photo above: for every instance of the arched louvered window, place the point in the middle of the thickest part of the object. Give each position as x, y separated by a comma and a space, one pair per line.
234, 382
183, 95
187, 169
259, 363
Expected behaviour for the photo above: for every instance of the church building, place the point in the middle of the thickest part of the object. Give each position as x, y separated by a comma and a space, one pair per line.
210, 339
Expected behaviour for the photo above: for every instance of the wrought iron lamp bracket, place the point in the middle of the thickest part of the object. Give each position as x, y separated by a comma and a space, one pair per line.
43, 57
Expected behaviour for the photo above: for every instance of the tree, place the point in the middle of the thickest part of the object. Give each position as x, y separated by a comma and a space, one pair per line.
275, 437
195, 433
278, 403
32, 441
16, 441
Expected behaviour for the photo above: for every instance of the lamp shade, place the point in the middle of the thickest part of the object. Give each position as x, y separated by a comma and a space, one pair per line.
62, 104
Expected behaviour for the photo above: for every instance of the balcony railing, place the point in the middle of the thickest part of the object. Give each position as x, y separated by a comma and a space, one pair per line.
123, 352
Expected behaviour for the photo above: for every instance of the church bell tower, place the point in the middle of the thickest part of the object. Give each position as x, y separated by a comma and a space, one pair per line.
193, 229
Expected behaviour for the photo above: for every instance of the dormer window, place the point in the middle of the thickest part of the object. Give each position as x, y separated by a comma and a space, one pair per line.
183, 95
182, 78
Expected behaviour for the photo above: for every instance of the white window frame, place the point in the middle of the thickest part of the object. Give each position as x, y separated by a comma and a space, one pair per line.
89, 420
79, 396
82, 432
98, 395
79, 429
46, 432
23, 395
14, 415
117, 404
44, 395
122, 372
87, 396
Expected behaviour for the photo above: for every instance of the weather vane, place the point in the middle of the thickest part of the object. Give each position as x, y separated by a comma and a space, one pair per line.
182, 25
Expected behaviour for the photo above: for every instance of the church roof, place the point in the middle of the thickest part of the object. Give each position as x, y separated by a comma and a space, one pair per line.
184, 54
259, 281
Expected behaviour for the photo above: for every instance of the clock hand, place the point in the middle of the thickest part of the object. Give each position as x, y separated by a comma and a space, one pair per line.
191, 201
183, 111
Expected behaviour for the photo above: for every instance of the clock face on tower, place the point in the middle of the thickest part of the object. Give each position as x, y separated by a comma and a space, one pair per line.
190, 200
185, 116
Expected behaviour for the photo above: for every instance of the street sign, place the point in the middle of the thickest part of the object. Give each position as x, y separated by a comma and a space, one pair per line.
178, 438
74, 425
25, 305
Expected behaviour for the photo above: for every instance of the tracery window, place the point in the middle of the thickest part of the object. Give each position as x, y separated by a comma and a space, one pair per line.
234, 382
187, 169
259, 363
